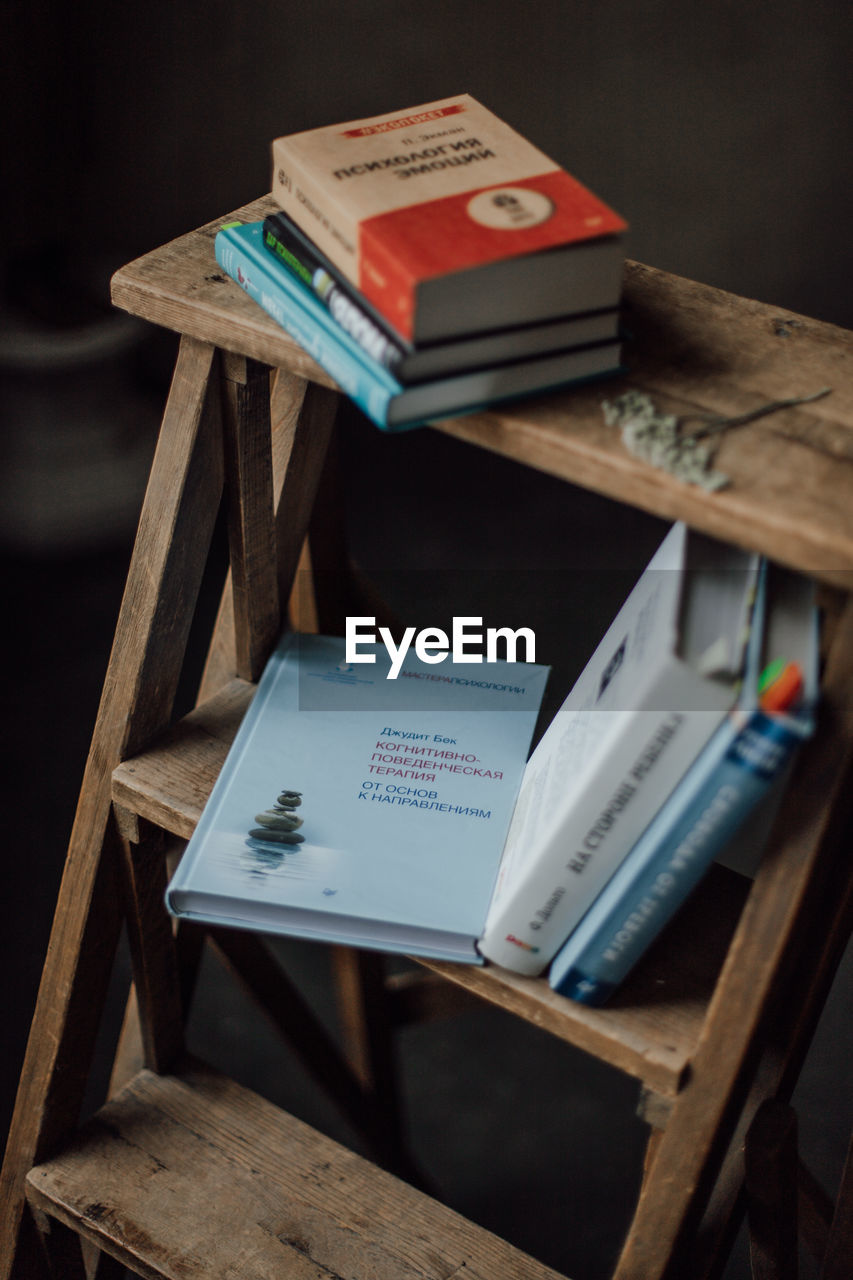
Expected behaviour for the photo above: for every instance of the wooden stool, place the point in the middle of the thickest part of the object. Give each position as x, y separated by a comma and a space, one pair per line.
183, 1173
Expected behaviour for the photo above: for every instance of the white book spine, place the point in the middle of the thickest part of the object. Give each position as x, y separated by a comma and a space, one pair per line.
640, 760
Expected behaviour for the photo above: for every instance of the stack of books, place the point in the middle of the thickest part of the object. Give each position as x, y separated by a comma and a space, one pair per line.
382, 797
434, 262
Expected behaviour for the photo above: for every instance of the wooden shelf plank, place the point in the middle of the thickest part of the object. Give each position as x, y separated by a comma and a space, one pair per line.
193, 1176
649, 1030
182, 287
170, 782
651, 1027
695, 349
698, 350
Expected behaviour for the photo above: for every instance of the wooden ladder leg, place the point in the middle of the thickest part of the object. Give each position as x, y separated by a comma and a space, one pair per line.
786, 1044
130, 1054
165, 572
323, 589
262, 459
364, 1014
308, 513
156, 979
303, 420
329, 584
64, 1251
774, 932
69, 1257
839, 1248
248, 959
246, 631
274, 463
251, 527
298, 429
248, 620
771, 1188
326, 588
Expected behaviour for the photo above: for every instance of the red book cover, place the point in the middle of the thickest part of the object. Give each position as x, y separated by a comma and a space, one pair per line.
413, 196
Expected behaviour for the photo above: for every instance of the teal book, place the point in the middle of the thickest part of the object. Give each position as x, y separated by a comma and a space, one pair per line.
361, 809
387, 402
743, 763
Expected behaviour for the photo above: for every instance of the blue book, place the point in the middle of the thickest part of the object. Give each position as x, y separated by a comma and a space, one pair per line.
360, 809
390, 405
747, 755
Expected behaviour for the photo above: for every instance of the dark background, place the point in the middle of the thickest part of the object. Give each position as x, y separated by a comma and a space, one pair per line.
721, 131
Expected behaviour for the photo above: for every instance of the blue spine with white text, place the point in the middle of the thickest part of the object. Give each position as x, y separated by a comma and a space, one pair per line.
749, 752
240, 251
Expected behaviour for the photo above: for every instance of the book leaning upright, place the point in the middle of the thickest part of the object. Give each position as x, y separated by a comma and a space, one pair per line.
738, 776
662, 680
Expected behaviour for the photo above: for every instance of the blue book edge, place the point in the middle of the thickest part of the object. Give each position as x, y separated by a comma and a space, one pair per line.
747, 753
240, 251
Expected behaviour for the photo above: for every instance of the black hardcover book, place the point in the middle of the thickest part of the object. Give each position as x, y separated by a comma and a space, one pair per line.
298, 254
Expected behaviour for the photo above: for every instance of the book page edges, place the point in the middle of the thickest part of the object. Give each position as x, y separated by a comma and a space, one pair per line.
326, 928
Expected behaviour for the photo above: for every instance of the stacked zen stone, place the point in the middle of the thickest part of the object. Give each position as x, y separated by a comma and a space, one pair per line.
279, 825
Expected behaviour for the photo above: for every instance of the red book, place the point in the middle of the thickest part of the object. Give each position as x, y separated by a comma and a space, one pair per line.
449, 222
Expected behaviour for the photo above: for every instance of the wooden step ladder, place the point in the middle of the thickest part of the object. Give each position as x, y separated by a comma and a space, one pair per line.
184, 1173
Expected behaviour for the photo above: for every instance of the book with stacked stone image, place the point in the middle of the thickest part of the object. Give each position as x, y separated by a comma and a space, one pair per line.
281, 823
432, 833
406, 785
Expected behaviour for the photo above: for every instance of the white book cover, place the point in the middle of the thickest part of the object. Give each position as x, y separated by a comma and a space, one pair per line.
364, 810
657, 687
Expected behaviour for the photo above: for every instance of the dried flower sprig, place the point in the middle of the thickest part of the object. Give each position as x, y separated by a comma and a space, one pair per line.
659, 438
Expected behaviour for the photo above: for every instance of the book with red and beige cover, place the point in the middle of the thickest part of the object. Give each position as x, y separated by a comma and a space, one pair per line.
449, 221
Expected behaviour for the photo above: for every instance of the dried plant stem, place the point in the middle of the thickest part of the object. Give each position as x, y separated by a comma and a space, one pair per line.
714, 425
659, 438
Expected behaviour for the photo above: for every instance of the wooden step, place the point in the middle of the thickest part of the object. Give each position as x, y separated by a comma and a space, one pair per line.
694, 349
191, 1175
170, 782
650, 1030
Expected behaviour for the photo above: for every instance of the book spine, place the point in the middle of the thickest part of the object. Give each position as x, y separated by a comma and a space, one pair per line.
530, 921
307, 321
333, 229
331, 287
670, 859
361, 256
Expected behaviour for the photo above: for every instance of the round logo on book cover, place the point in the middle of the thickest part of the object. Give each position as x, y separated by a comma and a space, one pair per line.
510, 208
